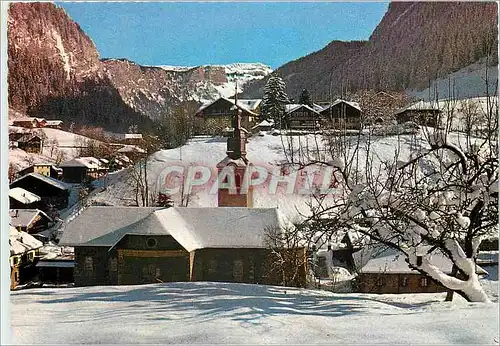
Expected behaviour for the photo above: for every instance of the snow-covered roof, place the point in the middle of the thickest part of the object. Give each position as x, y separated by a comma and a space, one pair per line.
25, 217
250, 104
104, 221
337, 101
27, 119
56, 183
130, 149
317, 108
54, 122
193, 228
28, 137
20, 242
220, 227
89, 162
395, 263
421, 106
23, 196
264, 123
243, 104
293, 107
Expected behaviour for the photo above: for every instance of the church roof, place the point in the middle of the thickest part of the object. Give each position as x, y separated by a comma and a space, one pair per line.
193, 228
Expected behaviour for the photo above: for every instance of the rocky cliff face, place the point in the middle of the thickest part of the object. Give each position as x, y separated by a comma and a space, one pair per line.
55, 72
414, 43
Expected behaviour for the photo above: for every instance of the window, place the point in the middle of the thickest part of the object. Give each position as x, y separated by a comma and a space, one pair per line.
88, 264
212, 268
16, 276
113, 265
15, 260
238, 270
404, 281
151, 243
424, 282
380, 281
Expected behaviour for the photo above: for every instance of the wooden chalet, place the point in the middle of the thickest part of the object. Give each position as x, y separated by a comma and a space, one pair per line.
47, 169
133, 152
30, 143
421, 113
301, 117
390, 273
51, 191
29, 122
342, 114
217, 115
24, 250
82, 169
54, 124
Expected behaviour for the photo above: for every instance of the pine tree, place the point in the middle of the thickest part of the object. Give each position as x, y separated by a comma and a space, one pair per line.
274, 100
304, 98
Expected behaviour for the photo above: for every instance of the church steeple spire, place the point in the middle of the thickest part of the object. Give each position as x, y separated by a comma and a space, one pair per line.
236, 144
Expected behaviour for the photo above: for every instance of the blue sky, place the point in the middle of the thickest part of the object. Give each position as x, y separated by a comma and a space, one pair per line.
221, 33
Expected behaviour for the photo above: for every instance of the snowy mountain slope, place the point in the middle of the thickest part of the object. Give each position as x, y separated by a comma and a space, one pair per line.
468, 82
225, 313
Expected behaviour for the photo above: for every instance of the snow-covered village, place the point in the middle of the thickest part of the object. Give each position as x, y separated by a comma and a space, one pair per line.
347, 194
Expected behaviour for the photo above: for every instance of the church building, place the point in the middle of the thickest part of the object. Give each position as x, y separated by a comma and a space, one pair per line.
141, 245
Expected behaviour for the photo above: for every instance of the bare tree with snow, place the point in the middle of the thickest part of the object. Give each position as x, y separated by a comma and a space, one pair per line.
438, 191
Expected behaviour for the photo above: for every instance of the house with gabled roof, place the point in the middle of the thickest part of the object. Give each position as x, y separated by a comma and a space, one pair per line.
342, 114
48, 169
54, 124
82, 169
23, 251
51, 191
218, 114
29, 122
30, 220
301, 117
388, 272
422, 113
30, 143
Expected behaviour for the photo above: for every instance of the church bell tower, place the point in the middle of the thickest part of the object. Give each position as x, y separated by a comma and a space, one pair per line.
237, 160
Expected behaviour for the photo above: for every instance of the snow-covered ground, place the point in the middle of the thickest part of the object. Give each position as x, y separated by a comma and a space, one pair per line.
21, 159
56, 141
223, 313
